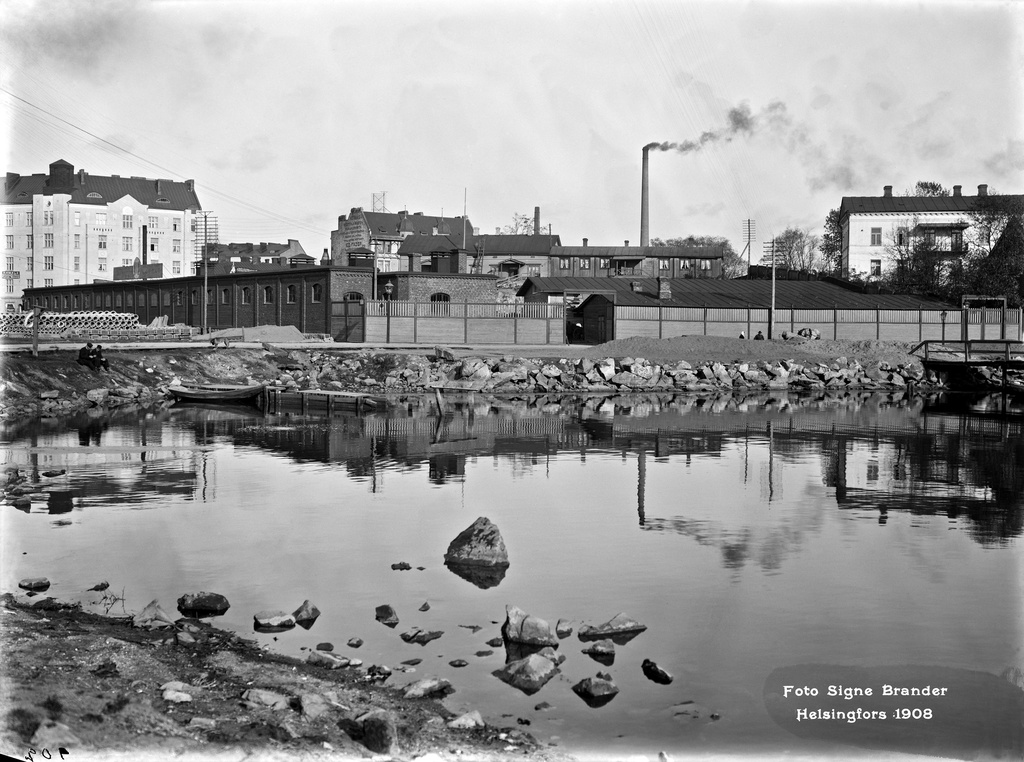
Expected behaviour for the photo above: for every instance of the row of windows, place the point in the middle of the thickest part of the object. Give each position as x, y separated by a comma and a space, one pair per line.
76, 301
664, 263
100, 218
127, 243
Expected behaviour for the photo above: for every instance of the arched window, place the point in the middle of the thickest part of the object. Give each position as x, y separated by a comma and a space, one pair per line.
440, 304
129, 299
291, 294
152, 299
246, 295
353, 296
77, 301
193, 297
66, 302
225, 296
179, 297
268, 294
209, 296
316, 293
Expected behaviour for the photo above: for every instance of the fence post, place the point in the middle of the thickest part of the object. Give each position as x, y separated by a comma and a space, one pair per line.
705, 318
878, 322
515, 323
748, 321
835, 322
792, 318
661, 313
465, 321
920, 322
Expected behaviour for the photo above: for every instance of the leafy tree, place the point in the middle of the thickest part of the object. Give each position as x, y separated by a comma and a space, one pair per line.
831, 245
733, 265
522, 224
1000, 270
928, 188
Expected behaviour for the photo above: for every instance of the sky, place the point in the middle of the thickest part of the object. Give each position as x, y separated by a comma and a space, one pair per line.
288, 114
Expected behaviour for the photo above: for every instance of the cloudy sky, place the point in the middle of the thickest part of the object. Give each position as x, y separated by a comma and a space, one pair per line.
287, 114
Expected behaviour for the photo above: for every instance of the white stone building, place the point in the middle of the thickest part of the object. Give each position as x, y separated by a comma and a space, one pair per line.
66, 228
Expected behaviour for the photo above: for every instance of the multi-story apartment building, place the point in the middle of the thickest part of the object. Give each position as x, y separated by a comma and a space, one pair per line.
363, 237
874, 227
65, 228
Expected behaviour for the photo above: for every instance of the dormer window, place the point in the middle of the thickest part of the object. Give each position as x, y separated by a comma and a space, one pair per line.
163, 200
94, 194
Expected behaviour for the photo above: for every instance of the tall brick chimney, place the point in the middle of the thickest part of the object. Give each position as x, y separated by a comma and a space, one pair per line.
536, 220
645, 224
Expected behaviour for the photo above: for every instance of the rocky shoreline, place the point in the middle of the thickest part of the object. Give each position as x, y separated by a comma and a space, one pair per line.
53, 385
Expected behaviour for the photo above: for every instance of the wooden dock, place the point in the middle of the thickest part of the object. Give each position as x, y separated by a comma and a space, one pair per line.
958, 357
277, 399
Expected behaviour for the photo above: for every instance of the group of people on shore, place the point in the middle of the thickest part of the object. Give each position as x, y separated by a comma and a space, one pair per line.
92, 357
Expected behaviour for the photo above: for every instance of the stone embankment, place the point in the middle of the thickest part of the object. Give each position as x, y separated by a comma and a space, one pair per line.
55, 385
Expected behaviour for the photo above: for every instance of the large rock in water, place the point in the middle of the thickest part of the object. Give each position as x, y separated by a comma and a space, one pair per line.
521, 627
203, 604
478, 554
596, 691
620, 629
528, 675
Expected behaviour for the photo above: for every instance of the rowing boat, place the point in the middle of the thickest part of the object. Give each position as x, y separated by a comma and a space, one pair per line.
217, 393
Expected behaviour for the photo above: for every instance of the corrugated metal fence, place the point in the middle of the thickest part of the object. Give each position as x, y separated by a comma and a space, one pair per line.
466, 323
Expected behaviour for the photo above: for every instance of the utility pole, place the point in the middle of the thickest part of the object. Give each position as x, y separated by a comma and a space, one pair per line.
769, 251
204, 263
749, 234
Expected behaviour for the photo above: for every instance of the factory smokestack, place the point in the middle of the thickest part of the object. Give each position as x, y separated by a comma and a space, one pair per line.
645, 223
536, 220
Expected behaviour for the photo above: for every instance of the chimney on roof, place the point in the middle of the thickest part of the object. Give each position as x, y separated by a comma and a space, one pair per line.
159, 186
12, 178
956, 190
585, 241
82, 176
536, 220
636, 286
497, 231
190, 186
887, 191
263, 246
61, 175
982, 190
403, 213
627, 243
664, 289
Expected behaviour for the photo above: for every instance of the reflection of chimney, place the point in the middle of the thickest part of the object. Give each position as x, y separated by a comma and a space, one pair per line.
536, 220
645, 225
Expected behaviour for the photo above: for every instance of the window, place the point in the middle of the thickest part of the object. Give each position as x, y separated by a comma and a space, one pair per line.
604, 263
686, 264
876, 236
10, 263
65, 301
193, 297
28, 283
126, 243
268, 294
901, 237
175, 225
48, 282
166, 299
564, 263
585, 263
77, 281
179, 297
129, 300
47, 240
48, 218
705, 264
929, 236
664, 265
440, 304
533, 269
9, 219
126, 263
101, 218
10, 287
10, 242
225, 296
28, 218
154, 222
246, 295
30, 263
78, 219
77, 264
209, 296
127, 221
176, 267
101, 264
956, 240
876, 267
316, 293
78, 240
102, 242
28, 242
154, 245
48, 262
290, 294
176, 246
352, 296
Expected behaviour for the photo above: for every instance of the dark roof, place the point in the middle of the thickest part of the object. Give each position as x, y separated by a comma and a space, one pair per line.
100, 190
224, 267
515, 244
394, 225
640, 252
717, 293
911, 204
428, 244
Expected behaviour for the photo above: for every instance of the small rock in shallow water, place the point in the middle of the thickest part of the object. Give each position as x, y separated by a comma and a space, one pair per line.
330, 646
400, 566
386, 615
354, 642
458, 663
425, 606
34, 583
655, 673
429, 686
467, 721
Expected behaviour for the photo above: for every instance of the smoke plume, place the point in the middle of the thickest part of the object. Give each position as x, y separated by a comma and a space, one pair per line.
742, 123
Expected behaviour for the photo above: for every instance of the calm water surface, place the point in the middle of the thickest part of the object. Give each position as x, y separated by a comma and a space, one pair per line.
748, 535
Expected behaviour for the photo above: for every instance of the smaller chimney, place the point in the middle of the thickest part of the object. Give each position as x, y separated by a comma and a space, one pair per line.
82, 175
982, 190
887, 191
497, 231
190, 185
627, 243
536, 220
585, 241
956, 190
159, 186
636, 286
664, 289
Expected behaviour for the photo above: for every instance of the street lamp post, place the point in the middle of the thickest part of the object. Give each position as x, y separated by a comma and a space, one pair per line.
389, 289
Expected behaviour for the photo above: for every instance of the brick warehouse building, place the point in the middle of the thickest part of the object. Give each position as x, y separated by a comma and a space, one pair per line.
315, 299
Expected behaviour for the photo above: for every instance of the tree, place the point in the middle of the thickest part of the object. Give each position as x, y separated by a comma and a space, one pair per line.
733, 265
928, 188
796, 249
995, 263
831, 245
522, 224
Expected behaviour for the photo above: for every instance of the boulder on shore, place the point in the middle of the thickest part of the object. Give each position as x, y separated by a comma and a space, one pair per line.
273, 620
521, 627
203, 604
